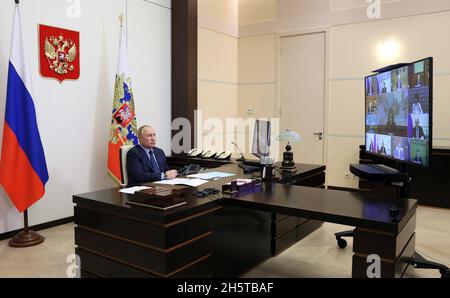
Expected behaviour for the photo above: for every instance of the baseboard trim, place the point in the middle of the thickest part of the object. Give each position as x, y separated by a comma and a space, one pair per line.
39, 227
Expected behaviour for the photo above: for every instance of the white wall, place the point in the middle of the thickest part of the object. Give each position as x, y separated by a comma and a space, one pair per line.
217, 66
296, 15
254, 11
257, 81
74, 116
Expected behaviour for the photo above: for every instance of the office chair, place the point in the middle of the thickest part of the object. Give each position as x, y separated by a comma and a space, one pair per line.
342, 243
123, 164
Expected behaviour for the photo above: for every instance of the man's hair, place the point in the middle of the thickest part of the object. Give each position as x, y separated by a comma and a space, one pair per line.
141, 130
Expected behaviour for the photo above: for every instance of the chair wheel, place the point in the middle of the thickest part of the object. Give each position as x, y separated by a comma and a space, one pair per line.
342, 243
445, 274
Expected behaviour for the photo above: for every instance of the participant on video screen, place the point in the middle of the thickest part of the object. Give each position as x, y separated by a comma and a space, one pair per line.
384, 82
400, 79
418, 158
382, 149
399, 82
384, 89
371, 147
401, 148
390, 125
399, 152
418, 133
417, 107
371, 86
419, 74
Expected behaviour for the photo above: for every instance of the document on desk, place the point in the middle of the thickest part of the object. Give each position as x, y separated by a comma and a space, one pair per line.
132, 190
183, 181
211, 175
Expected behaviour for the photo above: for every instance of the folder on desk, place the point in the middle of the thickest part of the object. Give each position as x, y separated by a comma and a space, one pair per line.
161, 198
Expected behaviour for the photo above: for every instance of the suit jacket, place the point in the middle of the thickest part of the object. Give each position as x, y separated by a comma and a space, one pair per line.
418, 160
139, 167
421, 133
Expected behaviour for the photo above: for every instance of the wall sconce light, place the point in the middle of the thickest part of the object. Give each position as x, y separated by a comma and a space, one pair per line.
389, 50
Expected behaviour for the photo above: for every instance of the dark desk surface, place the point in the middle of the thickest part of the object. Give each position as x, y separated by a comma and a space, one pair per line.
355, 209
111, 199
348, 208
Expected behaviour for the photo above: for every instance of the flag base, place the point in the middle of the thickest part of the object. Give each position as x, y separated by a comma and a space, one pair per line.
26, 239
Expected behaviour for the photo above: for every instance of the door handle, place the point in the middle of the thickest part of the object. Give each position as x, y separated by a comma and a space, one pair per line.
319, 135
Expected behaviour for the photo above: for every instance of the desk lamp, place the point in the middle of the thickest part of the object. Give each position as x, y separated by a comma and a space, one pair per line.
288, 164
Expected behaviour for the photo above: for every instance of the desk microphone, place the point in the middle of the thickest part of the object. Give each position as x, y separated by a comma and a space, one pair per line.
242, 155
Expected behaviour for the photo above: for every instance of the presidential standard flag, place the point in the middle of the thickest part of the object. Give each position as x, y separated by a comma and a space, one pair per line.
124, 125
23, 169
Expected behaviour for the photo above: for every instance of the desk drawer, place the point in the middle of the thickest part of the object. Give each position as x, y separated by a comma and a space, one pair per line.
307, 228
143, 232
95, 265
283, 242
140, 256
283, 226
99, 266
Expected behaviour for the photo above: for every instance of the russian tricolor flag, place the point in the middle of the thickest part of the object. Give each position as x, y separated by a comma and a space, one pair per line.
23, 170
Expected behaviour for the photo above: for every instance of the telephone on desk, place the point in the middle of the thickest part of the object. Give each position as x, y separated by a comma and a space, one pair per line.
195, 152
210, 154
189, 170
224, 155
221, 155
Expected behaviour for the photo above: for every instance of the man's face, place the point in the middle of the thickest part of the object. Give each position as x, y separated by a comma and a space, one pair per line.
417, 123
148, 138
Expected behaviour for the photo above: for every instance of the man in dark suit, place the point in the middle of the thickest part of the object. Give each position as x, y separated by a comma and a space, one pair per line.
382, 150
146, 162
384, 89
418, 158
418, 131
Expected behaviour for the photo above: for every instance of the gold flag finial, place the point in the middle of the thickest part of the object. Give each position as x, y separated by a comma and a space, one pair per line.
121, 19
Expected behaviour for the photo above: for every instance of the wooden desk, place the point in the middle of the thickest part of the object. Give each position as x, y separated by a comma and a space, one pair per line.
226, 237
376, 233
282, 231
240, 238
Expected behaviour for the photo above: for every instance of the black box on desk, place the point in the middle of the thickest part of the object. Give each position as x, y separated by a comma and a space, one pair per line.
240, 186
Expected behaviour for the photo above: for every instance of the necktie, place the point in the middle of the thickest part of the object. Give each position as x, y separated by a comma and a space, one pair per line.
417, 133
153, 161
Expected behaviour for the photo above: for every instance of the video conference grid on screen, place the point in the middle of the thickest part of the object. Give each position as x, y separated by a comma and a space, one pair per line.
398, 113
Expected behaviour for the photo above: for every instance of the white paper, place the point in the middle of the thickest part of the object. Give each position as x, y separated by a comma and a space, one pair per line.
132, 190
181, 181
211, 175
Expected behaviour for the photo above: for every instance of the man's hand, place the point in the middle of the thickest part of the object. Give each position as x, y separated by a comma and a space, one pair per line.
171, 174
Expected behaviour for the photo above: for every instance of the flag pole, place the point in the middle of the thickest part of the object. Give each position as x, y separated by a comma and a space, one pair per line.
27, 237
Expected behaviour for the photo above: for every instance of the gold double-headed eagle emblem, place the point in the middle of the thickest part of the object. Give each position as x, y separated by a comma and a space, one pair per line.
60, 53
